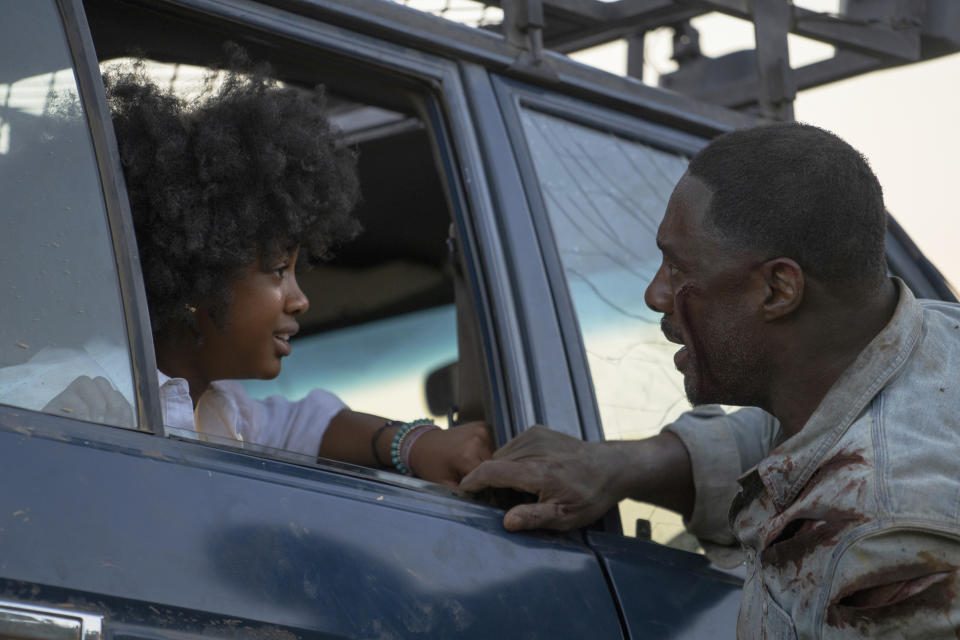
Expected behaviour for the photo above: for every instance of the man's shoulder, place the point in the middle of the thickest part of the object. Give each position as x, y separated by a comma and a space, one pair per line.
927, 387
941, 322
943, 305
913, 424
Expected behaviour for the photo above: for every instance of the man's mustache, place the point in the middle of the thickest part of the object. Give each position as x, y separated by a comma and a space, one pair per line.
671, 334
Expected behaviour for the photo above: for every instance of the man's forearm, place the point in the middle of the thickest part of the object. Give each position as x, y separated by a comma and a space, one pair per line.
654, 470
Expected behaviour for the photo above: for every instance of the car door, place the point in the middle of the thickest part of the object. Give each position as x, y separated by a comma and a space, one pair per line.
114, 530
597, 182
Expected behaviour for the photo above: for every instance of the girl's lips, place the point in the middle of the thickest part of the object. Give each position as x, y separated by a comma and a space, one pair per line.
282, 338
283, 345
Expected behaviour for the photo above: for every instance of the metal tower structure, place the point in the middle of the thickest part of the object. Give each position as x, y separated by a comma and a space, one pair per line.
867, 35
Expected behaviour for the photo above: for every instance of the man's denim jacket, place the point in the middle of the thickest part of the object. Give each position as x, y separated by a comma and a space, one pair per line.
852, 526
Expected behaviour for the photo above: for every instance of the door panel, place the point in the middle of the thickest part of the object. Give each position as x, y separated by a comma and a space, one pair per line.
665, 593
136, 521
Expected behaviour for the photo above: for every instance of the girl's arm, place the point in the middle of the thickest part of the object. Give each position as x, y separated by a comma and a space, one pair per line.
439, 455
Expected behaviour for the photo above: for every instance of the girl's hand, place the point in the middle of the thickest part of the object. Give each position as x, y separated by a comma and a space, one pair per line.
94, 400
447, 455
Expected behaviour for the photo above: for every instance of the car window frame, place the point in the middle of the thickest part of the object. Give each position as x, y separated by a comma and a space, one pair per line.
514, 95
132, 294
540, 387
446, 114
468, 252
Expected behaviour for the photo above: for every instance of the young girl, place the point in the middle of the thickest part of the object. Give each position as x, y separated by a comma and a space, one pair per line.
229, 194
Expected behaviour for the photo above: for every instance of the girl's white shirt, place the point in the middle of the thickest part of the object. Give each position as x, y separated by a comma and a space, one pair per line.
225, 411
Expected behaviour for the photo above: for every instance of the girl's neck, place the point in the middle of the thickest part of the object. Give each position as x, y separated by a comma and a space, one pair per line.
174, 358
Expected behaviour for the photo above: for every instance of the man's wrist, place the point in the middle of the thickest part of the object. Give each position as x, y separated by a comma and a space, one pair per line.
621, 465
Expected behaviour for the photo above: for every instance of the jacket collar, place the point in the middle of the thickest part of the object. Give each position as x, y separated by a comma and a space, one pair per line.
789, 466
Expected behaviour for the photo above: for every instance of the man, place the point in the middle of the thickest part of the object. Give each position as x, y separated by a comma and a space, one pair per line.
774, 282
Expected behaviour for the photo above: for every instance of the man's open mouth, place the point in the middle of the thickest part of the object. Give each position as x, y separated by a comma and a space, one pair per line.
681, 357
669, 333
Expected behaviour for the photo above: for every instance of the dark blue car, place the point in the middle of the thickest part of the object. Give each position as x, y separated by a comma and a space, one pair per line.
510, 204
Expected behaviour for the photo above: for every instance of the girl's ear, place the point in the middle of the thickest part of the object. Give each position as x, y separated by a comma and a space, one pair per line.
784, 280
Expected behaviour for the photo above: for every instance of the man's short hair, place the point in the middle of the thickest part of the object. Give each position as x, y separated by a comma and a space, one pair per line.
796, 191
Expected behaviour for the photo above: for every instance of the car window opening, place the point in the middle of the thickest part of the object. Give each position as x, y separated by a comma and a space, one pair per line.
382, 318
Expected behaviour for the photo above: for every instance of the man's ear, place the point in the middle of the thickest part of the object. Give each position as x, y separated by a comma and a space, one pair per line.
784, 279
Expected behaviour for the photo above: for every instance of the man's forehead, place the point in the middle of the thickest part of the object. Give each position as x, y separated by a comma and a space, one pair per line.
686, 210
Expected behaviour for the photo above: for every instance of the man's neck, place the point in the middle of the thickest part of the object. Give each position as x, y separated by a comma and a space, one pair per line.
823, 347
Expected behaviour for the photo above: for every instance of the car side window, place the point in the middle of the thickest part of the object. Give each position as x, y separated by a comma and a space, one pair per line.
381, 330
605, 196
62, 315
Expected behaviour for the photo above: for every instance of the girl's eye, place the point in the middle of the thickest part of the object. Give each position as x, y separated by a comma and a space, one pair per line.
280, 270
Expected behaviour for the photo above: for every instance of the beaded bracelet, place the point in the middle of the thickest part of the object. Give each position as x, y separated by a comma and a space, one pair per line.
376, 436
412, 437
396, 445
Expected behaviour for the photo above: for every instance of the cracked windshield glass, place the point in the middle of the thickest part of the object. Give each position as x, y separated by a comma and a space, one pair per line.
605, 196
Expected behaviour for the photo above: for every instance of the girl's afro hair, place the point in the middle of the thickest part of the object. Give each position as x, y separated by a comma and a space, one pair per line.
248, 170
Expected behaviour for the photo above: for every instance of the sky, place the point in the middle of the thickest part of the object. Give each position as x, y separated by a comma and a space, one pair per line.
906, 121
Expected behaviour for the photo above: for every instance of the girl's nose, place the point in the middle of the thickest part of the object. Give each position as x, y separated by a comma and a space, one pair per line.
297, 301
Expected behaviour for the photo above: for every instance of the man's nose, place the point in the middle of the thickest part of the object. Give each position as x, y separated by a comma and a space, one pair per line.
659, 295
297, 301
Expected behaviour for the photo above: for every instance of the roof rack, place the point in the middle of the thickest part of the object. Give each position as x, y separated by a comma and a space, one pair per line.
868, 35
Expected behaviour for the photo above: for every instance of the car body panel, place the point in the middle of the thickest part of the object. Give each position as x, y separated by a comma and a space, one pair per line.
118, 515
692, 599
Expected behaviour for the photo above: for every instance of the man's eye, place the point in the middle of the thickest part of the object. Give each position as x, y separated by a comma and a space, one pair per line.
672, 269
